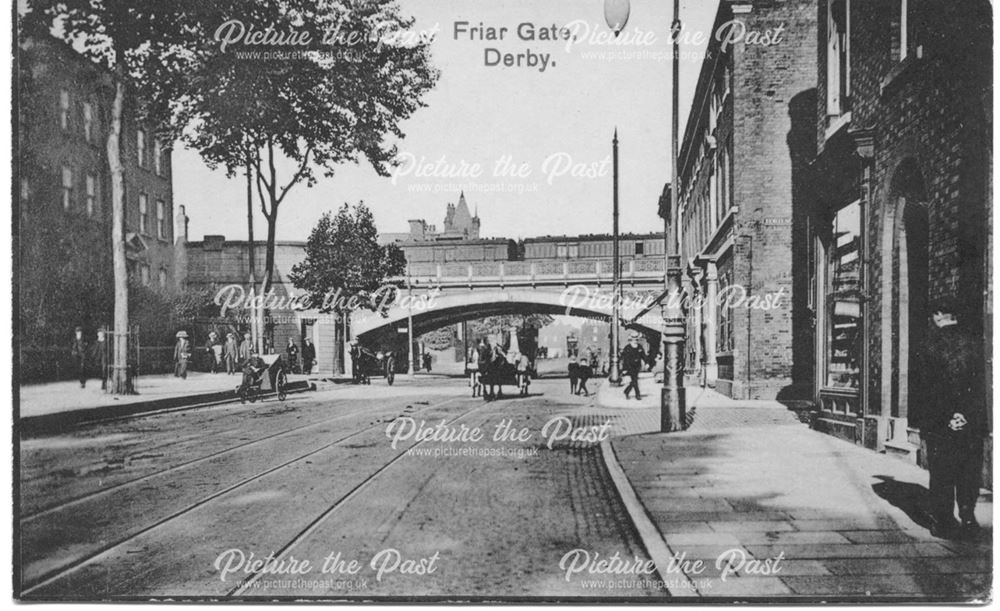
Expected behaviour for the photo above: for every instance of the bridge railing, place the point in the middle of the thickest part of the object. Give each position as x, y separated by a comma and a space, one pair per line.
532, 272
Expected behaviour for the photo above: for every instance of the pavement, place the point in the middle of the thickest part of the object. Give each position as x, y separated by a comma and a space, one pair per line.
58, 405
773, 509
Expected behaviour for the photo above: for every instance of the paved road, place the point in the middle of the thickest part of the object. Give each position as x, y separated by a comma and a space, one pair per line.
235, 500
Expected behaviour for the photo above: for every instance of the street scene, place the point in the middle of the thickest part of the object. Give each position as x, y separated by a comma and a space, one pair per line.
475, 302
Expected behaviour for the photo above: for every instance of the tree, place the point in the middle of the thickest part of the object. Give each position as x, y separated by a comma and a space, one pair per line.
316, 110
145, 44
344, 257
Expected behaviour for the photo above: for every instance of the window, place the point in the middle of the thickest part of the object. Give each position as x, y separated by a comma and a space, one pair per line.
158, 158
144, 274
561, 251
163, 278
640, 248
843, 314
143, 213
88, 121
838, 56
140, 145
64, 109
161, 220
25, 189
903, 29
91, 194
574, 251
67, 187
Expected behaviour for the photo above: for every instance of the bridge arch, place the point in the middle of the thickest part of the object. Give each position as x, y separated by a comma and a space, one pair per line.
455, 307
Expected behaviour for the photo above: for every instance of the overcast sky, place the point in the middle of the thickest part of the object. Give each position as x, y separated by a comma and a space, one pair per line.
479, 114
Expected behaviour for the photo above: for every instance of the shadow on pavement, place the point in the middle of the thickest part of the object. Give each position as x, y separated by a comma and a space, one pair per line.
912, 499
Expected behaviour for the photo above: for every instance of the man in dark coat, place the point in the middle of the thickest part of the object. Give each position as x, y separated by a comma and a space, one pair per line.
246, 350
950, 411
78, 351
182, 353
574, 376
308, 356
633, 356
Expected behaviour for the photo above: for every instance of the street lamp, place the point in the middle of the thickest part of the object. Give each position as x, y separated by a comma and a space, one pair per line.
672, 400
614, 370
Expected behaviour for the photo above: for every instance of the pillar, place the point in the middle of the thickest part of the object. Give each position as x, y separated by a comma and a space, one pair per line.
711, 320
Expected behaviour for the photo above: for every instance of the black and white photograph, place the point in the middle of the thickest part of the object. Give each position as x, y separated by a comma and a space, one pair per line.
502, 301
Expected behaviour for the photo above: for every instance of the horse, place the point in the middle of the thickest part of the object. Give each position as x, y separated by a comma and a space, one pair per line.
496, 373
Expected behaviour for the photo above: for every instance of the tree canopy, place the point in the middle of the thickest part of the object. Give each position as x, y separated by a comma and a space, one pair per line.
343, 254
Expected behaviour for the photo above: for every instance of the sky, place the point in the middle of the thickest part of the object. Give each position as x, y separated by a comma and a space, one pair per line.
554, 125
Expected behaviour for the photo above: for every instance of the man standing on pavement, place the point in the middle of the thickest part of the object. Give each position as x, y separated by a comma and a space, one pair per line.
214, 348
101, 357
633, 356
182, 352
245, 351
79, 353
951, 414
308, 356
230, 353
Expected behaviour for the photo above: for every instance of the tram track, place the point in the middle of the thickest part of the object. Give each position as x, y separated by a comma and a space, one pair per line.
56, 574
27, 517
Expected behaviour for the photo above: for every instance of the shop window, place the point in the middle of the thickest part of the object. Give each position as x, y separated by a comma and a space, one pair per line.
843, 319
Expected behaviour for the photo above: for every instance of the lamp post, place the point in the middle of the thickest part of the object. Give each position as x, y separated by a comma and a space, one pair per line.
672, 400
614, 370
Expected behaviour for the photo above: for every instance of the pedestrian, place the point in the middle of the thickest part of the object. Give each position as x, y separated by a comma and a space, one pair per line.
472, 360
574, 376
427, 362
245, 351
356, 363
583, 372
182, 352
78, 351
950, 410
308, 356
214, 348
230, 353
633, 357
292, 353
100, 355
523, 379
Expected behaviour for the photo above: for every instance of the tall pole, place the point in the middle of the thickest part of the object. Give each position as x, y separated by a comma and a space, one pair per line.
672, 400
614, 372
255, 334
410, 352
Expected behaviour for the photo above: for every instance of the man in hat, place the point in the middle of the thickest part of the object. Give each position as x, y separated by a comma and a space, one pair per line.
246, 350
78, 351
950, 410
182, 352
230, 353
308, 355
633, 356
214, 348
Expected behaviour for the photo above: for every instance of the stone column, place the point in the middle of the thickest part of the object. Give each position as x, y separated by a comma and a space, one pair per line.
694, 293
711, 320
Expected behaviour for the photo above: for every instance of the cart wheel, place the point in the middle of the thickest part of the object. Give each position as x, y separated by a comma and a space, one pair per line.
243, 395
252, 394
281, 385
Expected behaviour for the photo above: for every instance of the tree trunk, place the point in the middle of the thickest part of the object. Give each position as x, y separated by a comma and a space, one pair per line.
119, 381
265, 285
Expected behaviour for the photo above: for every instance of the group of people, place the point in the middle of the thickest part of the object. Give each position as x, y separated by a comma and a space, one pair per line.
232, 355
633, 358
87, 356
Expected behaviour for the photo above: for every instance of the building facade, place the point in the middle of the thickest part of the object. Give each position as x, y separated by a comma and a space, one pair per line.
63, 194
741, 235
899, 203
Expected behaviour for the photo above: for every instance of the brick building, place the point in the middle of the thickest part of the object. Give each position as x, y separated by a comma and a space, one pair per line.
898, 201
752, 107
63, 188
